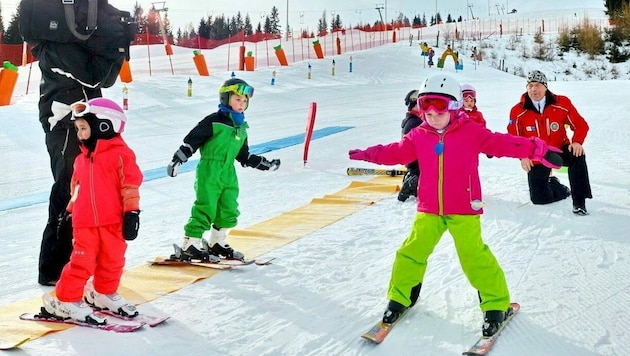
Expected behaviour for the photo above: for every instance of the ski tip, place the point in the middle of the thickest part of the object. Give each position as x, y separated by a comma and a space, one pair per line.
264, 262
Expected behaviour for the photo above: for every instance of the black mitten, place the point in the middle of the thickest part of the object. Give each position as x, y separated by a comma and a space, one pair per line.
131, 224
181, 156
64, 222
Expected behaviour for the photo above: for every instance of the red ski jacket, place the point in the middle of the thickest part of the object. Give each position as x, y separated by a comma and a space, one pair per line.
550, 124
104, 184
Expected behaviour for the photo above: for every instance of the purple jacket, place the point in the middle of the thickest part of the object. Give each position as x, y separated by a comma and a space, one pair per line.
449, 182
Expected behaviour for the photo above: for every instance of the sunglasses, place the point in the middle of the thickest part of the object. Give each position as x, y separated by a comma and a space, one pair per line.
439, 103
240, 89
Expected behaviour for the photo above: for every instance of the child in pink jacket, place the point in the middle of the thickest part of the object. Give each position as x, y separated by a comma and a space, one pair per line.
447, 146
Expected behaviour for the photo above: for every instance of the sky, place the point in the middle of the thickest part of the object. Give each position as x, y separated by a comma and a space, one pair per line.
569, 273
305, 14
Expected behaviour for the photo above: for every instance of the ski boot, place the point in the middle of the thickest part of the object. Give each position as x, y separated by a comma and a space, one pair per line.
218, 246
78, 311
415, 294
492, 321
114, 302
192, 249
409, 187
393, 312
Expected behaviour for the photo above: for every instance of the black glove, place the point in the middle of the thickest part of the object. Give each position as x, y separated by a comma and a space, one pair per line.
181, 156
260, 162
131, 224
64, 222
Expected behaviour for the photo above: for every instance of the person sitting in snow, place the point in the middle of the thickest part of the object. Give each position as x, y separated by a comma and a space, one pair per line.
542, 114
412, 119
221, 138
104, 214
449, 197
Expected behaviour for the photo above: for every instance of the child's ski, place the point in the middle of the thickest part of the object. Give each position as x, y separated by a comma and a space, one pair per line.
380, 330
151, 320
112, 323
485, 343
354, 171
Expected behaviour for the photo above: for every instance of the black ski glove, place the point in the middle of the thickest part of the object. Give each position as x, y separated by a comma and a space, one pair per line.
131, 224
260, 162
181, 156
64, 222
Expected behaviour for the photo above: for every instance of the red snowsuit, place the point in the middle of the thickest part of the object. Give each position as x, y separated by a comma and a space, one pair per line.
104, 186
475, 115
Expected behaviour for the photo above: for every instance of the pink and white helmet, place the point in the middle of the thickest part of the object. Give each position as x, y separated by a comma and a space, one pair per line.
110, 116
468, 91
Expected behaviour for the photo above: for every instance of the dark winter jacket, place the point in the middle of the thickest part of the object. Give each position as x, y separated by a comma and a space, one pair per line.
204, 130
70, 73
411, 120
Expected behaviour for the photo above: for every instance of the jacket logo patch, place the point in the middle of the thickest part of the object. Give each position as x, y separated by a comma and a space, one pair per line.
530, 128
554, 126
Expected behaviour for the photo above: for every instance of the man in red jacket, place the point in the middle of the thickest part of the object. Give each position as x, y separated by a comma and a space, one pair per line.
540, 113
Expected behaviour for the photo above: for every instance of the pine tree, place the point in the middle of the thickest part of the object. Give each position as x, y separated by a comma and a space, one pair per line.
275, 21
12, 34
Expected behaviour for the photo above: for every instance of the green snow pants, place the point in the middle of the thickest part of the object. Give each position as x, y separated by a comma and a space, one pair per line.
477, 261
216, 194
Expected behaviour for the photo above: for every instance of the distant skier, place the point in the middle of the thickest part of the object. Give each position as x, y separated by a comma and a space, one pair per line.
449, 197
470, 104
412, 119
221, 138
104, 213
430, 53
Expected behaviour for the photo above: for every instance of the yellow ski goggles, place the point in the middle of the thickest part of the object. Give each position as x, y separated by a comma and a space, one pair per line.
240, 89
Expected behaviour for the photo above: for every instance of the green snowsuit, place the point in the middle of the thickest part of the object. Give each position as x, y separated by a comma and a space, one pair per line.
220, 141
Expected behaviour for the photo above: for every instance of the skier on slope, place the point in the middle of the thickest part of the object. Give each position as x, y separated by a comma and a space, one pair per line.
412, 119
469, 94
447, 146
103, 212
221, 138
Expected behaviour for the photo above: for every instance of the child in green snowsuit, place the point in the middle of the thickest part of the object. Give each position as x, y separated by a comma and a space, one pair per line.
221, 138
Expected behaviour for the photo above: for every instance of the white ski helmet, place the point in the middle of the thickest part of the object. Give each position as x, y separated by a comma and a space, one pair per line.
443, 85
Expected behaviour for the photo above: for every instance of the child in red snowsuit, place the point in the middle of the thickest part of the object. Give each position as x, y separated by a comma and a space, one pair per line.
469, 94
104, 211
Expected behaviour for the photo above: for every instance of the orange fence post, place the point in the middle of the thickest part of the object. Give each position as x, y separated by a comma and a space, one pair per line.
338, 45
200, 63
249, 62
318, 49
8, 79
125, 73
282, 58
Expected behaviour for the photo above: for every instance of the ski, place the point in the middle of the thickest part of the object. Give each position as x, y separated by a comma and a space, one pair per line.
485, 343
145, 319
161, 261
380, 330
354, 171
8, 345
111, 325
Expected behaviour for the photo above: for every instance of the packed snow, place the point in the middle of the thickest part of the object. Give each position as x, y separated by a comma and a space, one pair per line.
569, 273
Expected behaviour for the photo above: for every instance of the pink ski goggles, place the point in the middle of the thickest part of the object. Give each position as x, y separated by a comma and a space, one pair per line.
439, 103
